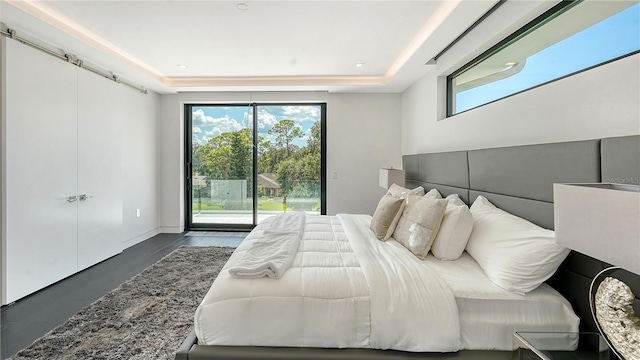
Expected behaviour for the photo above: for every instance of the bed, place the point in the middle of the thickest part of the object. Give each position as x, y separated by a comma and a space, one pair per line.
478, 318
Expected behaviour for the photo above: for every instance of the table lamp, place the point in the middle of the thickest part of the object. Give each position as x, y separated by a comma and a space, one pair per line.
390, 176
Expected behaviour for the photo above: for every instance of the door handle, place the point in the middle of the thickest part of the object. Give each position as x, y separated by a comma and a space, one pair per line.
84, 197
72, 198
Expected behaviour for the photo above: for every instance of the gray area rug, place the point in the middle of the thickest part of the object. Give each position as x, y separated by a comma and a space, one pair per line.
146, 317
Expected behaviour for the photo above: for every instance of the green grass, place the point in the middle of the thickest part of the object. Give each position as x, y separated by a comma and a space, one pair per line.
270, 205
264, 204
207, 206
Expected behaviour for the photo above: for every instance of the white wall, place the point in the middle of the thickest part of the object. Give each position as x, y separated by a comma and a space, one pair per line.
363, 134
141, 167
602, 102
3, 268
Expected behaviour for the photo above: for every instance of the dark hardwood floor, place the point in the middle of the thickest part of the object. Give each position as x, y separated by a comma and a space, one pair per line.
33, 316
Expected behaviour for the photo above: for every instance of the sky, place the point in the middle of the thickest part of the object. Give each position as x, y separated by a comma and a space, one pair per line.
612, 37
211, 121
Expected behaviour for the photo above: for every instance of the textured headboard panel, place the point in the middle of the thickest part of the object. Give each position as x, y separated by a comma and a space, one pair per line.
621, 160
444, 190
447, 172
520, 180
410, 166
449, 168
530, 171
538, 212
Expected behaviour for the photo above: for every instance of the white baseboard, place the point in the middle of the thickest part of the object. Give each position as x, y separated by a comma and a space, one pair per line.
141, 238
171, 229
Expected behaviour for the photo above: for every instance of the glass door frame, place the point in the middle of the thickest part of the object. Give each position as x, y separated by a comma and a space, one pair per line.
188, 184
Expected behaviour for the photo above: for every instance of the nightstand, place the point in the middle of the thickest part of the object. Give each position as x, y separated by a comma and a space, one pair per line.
559, 346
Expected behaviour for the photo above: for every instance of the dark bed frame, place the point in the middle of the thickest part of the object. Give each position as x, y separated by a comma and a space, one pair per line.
518, 179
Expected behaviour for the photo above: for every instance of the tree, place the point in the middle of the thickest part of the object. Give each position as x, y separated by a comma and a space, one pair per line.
266, 160
196, 161
285, 131
297, 169
226, 156
241, 154
315, 137
215, 157
286, 173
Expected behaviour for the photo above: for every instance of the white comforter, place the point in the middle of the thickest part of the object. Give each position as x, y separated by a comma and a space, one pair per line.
344, 289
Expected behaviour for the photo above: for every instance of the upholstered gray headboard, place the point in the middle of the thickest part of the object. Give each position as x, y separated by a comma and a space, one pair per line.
520, 180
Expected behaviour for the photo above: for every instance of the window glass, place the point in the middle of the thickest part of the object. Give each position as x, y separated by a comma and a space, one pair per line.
564, 41
247, 162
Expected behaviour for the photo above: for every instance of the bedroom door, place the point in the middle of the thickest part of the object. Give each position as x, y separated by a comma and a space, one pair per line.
246, 162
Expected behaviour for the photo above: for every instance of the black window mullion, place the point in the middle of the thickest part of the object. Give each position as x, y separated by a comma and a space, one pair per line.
323, 159
255, 163
188, 158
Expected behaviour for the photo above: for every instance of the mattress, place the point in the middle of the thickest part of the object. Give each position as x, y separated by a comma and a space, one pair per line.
489, 315
347, 289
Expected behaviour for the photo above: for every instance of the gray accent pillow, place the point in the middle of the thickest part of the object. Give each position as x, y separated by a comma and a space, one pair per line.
386, 217
419, 224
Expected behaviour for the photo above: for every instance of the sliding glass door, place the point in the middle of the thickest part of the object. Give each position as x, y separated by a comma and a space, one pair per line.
289, 159
221, 166
247, 162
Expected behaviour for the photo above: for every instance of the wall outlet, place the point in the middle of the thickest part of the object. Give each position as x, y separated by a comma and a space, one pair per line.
137, 213
334, 174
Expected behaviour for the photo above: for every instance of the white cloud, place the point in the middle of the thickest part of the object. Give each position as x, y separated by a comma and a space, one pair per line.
211, 126
266, 119
198, 118
223, 124
205, 127
301, 113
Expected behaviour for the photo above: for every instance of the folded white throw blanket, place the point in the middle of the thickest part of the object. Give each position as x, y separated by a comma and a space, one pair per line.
273, 253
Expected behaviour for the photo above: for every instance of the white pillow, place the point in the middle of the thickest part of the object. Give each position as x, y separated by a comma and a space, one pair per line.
399, 191
419, 224
455, 229
515, 254
434, 194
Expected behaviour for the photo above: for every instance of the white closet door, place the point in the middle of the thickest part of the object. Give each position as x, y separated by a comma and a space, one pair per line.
100, 120
40, 168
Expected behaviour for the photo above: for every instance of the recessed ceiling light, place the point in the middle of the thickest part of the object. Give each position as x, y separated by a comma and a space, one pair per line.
359, 64
510, 63
182, 66
242, 6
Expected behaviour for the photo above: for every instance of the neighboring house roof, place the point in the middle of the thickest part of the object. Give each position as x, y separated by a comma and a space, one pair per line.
268, 180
